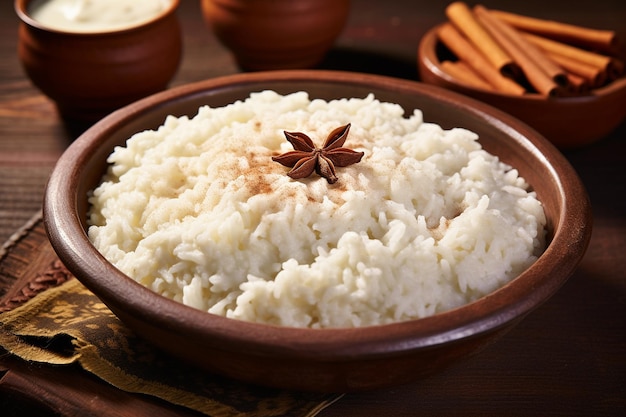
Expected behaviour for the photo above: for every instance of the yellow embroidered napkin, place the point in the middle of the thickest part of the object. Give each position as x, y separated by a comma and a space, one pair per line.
68, 324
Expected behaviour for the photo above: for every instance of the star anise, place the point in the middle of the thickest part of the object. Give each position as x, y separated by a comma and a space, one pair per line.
306, 157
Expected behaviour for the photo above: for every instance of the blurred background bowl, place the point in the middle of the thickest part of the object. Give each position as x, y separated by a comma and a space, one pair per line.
568, 122
329, 359
276, 34
90, 74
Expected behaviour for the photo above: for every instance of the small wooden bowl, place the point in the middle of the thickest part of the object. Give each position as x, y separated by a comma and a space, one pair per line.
568, 122
321, 359
88, 75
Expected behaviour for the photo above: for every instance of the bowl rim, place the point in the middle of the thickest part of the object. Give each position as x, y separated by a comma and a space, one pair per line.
492, 312
429, 60
21, 9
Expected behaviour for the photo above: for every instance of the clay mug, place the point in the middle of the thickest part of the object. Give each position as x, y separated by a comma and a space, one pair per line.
276, 34
88, 74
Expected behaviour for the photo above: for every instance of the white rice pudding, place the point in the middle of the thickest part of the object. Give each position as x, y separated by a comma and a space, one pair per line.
428, 221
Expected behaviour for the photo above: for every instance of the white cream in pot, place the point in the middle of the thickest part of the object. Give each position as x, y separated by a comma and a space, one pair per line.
95, 15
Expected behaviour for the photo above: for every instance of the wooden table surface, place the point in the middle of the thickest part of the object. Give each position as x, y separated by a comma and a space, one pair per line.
566, 358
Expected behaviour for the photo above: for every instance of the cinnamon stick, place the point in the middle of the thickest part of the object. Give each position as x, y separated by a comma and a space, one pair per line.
536, 54
617, 69
466, 52
461, 16
595, 76
603, 40
578, 54
462, 72
577, 84
534, 64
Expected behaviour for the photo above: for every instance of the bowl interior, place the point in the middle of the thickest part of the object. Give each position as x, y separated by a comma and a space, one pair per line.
186, 331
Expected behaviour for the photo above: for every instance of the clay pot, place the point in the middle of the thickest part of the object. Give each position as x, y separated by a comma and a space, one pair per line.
88, 75
276, 34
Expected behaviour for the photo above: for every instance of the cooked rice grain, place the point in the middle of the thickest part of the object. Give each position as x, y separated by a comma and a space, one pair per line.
426, 222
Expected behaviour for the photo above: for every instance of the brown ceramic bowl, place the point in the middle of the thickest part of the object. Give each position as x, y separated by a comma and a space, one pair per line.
88, 75
329, 359
568, 122
277, 34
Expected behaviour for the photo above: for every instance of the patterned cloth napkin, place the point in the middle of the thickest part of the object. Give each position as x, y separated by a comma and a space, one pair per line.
68, 324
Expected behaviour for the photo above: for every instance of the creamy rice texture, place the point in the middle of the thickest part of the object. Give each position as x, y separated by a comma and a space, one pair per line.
427, 221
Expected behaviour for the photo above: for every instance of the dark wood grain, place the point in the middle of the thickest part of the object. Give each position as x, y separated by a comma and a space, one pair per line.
566, 358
